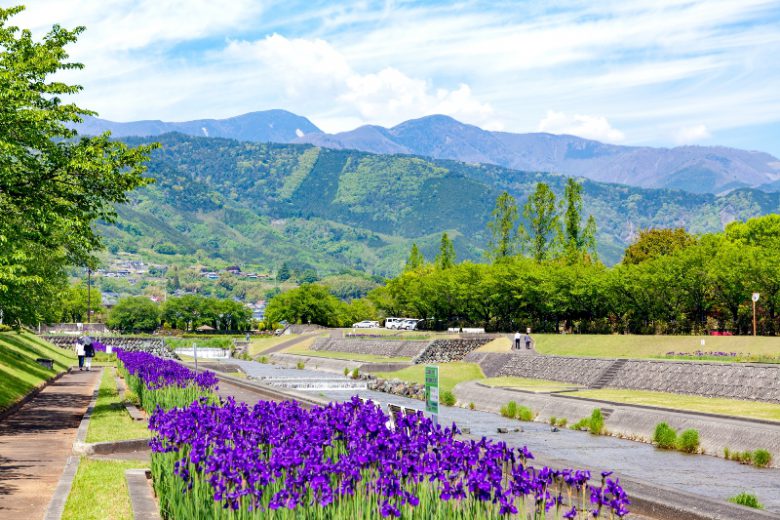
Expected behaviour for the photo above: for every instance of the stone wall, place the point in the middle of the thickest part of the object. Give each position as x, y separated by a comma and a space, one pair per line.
581, 371
398, 387
736, 381
449, 350
154, 346
388, 348
491, 363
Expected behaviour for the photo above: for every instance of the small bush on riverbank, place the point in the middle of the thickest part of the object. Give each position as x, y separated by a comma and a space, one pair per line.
665, 437
688, 441
762, 458
448, 398
747, 499
509, 410
596, 422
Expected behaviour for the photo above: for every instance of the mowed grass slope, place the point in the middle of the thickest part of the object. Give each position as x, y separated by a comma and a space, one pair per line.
450, 374
19, 372
632, 346
110, 420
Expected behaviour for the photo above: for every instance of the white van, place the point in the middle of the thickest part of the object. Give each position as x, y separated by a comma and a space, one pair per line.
393, 323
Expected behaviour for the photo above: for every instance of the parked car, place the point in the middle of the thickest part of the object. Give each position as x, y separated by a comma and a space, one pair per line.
393, 323
408, 324
365, 324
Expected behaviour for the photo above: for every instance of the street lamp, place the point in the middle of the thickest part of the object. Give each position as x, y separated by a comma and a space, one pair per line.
755, 299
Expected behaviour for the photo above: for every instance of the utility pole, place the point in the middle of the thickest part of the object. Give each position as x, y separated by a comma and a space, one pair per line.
89, 294
755, 299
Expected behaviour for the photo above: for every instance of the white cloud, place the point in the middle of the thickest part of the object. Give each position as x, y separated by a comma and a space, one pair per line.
581, 125
692, 134
313, 68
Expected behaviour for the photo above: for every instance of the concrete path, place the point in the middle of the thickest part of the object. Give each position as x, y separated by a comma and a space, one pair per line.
36, 441
696, 474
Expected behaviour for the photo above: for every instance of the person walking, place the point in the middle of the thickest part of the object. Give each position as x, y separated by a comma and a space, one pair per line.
89, 352
528, 341
517, 340
80, 353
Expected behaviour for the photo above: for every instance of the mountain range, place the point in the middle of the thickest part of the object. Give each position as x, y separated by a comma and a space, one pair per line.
697, 169
261, 204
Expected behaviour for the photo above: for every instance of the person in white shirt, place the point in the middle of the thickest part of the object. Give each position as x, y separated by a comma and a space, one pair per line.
517, 340
80, 353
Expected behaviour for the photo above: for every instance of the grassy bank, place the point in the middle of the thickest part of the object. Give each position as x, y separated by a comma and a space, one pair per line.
450, 374
110, 420
100, 491
612, 346
732, 407
19, 371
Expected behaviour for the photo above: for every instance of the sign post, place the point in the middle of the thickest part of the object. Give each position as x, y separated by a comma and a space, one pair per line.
755, 299
432, 392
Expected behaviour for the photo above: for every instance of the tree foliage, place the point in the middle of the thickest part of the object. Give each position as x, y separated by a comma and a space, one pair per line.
313, 303
542, 229
53, 184
705, 286
652, 243
446, 257
134, 314
415, 260
191, 311
503, 242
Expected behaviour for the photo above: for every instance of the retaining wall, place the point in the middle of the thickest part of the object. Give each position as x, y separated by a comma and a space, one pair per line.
449, 350
154, 346
581, 371
387, 348
490, 362
735, 381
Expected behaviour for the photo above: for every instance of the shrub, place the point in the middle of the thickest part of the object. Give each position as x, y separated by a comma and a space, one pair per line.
524, 413
688, 441
5, 328
596, 422
300, 365
747, 499
472, 406
582, 424
346, 371
665, 437
745, 457
448, 398
263, 359
562, 422
762, 458
726, 453
553, 420
509, 410
355, 373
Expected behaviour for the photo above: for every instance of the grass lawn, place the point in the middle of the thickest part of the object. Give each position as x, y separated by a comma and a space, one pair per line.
303, 349
631, 346
19, 371
110, 420
450, 374
533, 385
100, 491
733, 407
502, 344
259, 344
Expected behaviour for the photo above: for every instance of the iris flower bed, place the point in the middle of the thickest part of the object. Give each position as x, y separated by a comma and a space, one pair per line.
164, 383
343, 461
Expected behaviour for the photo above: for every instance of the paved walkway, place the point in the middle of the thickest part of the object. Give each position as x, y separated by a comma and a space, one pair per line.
697, 474
36, 441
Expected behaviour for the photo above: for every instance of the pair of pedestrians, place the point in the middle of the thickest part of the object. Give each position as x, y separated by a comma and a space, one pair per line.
85, 350
526, 338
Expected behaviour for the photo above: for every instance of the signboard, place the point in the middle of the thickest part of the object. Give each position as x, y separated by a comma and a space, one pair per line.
432, 389
755, 296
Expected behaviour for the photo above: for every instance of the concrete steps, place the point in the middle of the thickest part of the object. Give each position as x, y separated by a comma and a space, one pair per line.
609, 374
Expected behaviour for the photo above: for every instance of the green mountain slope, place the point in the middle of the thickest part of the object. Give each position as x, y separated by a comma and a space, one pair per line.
263, 204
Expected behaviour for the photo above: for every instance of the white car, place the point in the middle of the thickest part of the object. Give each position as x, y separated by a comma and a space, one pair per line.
409, 324
393, 323
366, 324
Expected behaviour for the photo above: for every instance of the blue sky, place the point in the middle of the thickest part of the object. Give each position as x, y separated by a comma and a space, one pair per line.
644, 72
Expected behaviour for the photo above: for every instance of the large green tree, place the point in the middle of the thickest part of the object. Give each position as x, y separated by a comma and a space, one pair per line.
503, 242
134, 314
652, 243
446, 257
542, 224
579, 242
415, 260
53, 184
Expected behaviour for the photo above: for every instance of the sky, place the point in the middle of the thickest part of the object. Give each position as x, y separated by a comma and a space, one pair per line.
639, 72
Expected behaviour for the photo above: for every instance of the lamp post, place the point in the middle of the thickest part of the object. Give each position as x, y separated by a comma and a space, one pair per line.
755, 299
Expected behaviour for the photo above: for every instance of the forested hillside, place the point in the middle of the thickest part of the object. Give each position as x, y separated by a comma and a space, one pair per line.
263, 204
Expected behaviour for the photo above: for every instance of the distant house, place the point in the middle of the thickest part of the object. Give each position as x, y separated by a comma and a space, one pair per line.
212, 275
233, 269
